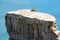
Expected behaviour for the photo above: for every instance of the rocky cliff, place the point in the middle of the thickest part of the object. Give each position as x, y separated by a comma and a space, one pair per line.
27, 24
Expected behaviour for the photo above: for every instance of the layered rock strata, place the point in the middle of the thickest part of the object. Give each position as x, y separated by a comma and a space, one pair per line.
30, 25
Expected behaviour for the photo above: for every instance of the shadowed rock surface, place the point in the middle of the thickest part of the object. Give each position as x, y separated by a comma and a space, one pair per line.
30, 25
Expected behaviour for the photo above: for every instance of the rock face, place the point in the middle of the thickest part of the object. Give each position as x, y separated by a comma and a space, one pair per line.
30, 25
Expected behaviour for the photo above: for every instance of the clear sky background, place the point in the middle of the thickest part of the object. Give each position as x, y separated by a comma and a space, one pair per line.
47, 6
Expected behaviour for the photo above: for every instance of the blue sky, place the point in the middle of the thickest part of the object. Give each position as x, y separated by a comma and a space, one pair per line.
47, 6
39, 5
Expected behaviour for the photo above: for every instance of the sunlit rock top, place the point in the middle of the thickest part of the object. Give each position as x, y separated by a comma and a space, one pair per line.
33, 14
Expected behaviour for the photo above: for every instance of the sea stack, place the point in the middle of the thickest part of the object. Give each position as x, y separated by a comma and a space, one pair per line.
26, 24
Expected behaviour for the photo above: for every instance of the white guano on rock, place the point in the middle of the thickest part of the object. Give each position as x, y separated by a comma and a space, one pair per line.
38, 15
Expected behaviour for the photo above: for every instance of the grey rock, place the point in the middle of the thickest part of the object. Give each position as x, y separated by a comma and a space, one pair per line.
20, 27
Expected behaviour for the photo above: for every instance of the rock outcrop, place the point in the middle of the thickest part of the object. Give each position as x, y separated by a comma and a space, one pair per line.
30, 25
